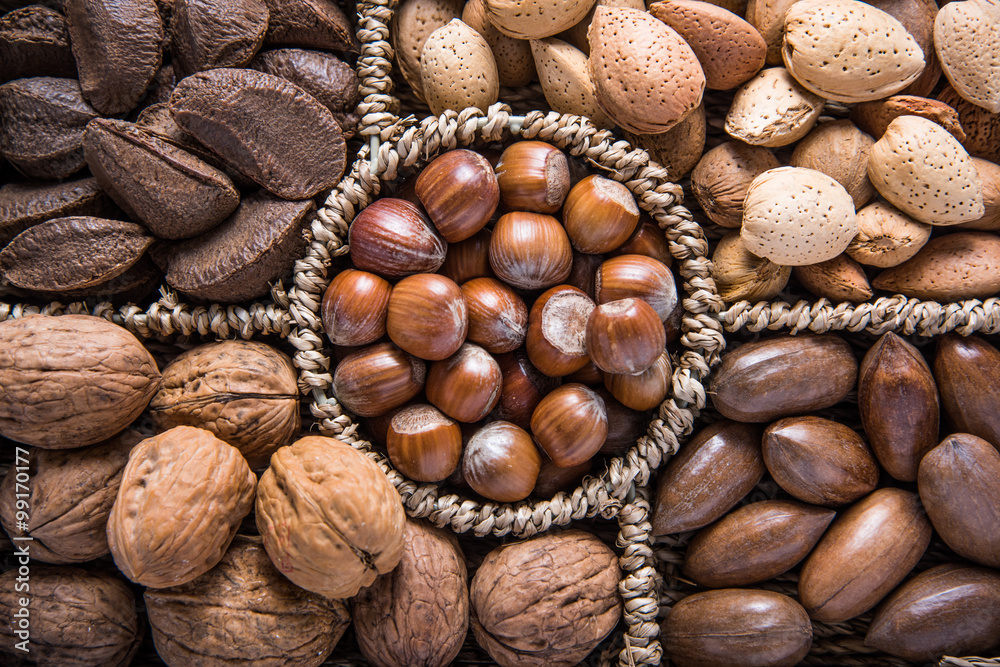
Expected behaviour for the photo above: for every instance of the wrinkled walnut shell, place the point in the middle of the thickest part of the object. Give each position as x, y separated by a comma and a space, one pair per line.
244, 611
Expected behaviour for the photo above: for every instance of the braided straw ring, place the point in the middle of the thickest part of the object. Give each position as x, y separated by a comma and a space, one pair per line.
702, 340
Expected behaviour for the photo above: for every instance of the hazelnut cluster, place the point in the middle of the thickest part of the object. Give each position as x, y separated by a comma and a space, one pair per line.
488, 354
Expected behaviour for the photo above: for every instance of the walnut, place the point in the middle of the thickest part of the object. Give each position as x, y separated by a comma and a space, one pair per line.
70, 497
330, 519
76, 618
71, 380
547, 601
181, 500
242, 391
244, 611
418, 614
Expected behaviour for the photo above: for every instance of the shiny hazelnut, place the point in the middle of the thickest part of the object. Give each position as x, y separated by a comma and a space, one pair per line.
639, 277
424, 444
459, 191
625, 425
589, 375
501, 462
378, 378
599, 215
557, 331
570, 424
468, 259
354, 307
427, 316
377, 427
647, 240
584, 271
625, 336
466, 385
530, 250
533, 176
644, 391
393, 238
522, 389
498, 318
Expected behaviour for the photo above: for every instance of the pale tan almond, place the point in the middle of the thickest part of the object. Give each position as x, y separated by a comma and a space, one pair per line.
989, 176
577, 34
839, 150
967, 39
729, 49
874, 117
848, 51
741, 275
923, 171
886, 236
565, 79
646, 77
961, 265
679, 148
536, 19
723, 175
768, 16
796, 216
838, 279
772, 110
982, 128
412, 23
917, 16
515, 66
458, 70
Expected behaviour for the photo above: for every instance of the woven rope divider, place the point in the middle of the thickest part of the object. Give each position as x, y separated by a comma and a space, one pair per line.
378, 108
701, 338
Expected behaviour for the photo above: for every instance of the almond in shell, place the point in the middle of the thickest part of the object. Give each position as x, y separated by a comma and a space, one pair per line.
412, 24
577, 34
515, 66
839, 150
838, 279
741, 275
768, 16
982, 127
886, 236
917, 16
457, 69
723, 175
967, 39
772, 110
565, 79
536, 19
953, 267
679, 148
874, 117
989, 176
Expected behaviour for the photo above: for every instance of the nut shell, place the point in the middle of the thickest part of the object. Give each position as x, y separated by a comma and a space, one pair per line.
458, 70
723, 175
967, 371
393, 238
427, 316
772, 109
956, 266
886, 236
375, 379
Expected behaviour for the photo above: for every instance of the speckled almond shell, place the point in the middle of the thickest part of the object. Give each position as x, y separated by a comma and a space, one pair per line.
536, 19
982, 128
917, 16
729, 49
457, 69
962, 265
989, 176
772, 109
967, 40
768, 16
565, 79
923, 171
412, 23
795, 216
515, 66
646, 77
839, 150
840, 49
874, 117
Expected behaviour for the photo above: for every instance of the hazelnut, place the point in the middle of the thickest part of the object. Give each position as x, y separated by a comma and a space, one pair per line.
427, 316
570, 424
377, 379
354, 307
599, 215
647, 240
644, 391
393, 238
459, 191
589, 375
530, 250
424, 444
533, 176
523, 387
498, 318
583, 272
625, 336
640, 277
557, 331
501, 462
468, 259
466, 385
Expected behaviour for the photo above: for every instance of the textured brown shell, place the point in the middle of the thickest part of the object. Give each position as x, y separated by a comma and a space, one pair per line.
536, 19
741, 275
839, 150
515, 66
982, 128
23, 205
34, 42
723, 175
78, 618
874, 117
967, 40
729, 49
768, 17
917, 16
838, 279
646, 77
678, 149
319, 24
207, 34
71, 381
331, 520
772, 110
181, 500
989, 178
242, 391
269, 129
244, 611
886, 236
547, 601
418, 614
961, 265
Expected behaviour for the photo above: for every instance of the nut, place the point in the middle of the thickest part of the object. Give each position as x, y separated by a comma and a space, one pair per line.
187, 482
839, 150
679, 148
886, 236
459, 191
523, 387
515, 68
501, 462
533, 177
625, 336
498, 318
772, 109
378, 378
537, 18
465, 386
243, 610
837, 279
741, 275
570, 424
874, 117
722, 177
557, 328
412, 23
330, 519
644, 391
468, 259
355, 305
637, 277
966, 38
599, 215
530, 250
565, 79
427, 316
393, 238
961, 265
981, 127
424, 444
647, 240
967, 371
458, 70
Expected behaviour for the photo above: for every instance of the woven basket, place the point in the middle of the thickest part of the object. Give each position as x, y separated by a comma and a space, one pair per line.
834, 644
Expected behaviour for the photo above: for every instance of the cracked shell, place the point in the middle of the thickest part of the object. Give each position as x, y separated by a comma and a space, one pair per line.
547, 601
849, 51
458, 70
886, 236
772, 110
646, 77
330, 519
183, 495
967, 41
